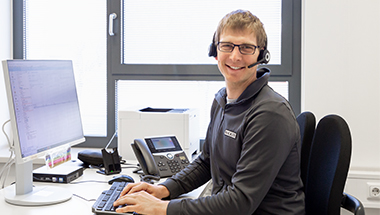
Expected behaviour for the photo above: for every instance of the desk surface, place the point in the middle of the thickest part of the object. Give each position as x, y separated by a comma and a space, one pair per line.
89, 186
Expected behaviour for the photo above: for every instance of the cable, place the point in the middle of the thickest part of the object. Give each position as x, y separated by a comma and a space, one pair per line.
88, 200
123, 162
80, 182
113, 136
8, 164
92, 166
127, 167
9, 142
149, 178
137, 170
7, 168
11, 146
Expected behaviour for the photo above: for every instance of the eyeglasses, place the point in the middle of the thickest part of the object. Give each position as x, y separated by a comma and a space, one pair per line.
245, 49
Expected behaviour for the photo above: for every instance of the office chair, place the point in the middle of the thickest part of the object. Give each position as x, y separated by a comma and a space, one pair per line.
306, 122
329, 161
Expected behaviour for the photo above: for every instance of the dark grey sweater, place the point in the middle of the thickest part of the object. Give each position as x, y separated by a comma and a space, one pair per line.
252, 154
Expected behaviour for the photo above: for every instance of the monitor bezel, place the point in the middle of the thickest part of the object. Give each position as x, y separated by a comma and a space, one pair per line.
16, 140
23, 193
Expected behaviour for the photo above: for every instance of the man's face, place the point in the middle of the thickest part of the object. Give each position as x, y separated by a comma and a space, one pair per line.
233, 66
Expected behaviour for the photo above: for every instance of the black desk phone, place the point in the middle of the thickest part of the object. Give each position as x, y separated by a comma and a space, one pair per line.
160, 156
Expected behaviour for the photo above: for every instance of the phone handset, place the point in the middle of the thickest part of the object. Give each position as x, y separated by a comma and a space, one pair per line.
145, 157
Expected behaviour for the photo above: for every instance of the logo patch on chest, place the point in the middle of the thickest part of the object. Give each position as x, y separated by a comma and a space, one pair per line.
230, 134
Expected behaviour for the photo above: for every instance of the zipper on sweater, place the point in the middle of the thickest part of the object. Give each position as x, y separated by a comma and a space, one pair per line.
221, 121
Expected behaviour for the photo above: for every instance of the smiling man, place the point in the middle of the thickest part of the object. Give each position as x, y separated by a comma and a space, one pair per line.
252, 147
233, 60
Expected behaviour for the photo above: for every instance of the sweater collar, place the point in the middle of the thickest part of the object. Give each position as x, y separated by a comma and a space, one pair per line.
262, 80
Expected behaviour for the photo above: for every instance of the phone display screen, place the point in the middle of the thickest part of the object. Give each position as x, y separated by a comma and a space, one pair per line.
163, 144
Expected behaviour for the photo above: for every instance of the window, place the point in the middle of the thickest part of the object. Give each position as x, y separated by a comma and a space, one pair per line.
179, 32
49, 33
108, 67
178, 60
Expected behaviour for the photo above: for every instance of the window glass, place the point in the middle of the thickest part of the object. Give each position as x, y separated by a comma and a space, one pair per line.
180, 32
73, 30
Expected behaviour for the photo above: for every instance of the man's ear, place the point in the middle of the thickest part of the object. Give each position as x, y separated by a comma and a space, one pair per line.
216, 58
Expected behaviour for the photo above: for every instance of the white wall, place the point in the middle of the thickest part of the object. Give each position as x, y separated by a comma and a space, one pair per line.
5, 53
341, 75
341, 70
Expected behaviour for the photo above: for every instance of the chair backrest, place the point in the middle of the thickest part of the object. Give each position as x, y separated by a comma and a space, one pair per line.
328, 166
306, 122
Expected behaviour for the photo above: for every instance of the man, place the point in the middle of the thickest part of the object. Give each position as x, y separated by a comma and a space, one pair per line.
252, 146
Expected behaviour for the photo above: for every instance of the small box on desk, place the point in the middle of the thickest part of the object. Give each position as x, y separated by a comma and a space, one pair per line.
63, 173
152, 122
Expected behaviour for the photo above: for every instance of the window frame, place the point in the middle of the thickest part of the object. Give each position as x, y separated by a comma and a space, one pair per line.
196, 72
289, 70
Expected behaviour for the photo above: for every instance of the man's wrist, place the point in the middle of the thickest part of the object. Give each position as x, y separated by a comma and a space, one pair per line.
163, 210
164, 192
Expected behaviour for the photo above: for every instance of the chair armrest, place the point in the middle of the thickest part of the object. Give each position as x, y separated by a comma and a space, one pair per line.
352, 204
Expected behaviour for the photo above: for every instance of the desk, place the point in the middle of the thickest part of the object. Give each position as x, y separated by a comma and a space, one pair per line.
88, 190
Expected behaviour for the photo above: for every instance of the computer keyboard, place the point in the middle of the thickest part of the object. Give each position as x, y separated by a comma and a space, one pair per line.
104, 203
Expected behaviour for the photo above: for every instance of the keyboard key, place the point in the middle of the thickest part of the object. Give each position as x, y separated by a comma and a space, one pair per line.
104, 203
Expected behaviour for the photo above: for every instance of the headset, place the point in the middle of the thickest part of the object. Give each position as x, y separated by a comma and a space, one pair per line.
263, 57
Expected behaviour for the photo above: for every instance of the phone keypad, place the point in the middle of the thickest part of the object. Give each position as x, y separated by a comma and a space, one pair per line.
174, 166
170, 164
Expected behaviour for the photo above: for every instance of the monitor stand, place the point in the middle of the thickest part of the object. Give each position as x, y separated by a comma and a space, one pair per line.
23, 193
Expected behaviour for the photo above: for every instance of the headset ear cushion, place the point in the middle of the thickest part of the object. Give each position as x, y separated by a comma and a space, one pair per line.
264, 56
212, 50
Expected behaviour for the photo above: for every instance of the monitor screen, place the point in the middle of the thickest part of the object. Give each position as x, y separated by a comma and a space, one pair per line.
45, 105
45, 115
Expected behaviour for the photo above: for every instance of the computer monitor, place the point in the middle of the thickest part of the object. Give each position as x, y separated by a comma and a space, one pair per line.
44, 112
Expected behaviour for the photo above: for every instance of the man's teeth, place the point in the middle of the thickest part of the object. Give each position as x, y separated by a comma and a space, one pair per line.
232, 67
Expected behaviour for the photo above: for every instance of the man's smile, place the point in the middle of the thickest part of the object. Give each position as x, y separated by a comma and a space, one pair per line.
235, 67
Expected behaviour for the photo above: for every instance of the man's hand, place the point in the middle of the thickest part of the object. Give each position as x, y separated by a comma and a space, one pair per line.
143, 198
158, 191
141, 202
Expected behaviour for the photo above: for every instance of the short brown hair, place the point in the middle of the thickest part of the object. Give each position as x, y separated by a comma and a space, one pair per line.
242, 20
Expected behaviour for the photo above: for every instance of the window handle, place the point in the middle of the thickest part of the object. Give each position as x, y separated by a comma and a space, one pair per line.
110, 23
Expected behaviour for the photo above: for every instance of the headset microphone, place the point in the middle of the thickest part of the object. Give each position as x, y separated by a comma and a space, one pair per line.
252, 65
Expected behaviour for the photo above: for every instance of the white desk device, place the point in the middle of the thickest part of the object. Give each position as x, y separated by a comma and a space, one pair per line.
135, 123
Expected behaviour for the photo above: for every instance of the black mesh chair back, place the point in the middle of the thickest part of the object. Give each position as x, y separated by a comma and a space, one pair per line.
328, 166
306, 122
